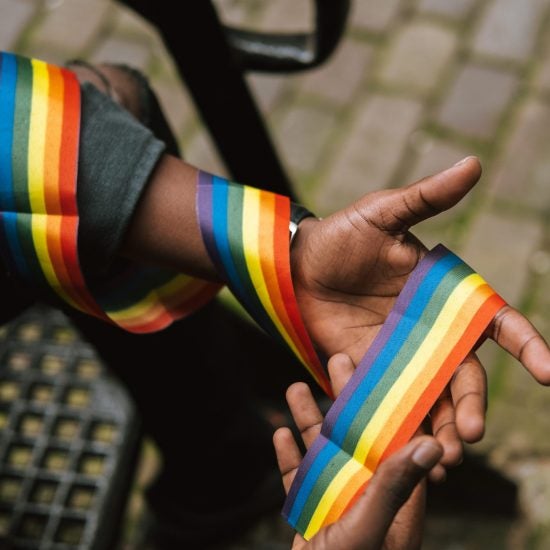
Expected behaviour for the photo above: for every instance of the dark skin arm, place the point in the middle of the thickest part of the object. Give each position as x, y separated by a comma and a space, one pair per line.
347, 271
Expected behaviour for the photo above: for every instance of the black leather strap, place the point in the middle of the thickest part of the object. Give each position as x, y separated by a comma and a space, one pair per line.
299, 212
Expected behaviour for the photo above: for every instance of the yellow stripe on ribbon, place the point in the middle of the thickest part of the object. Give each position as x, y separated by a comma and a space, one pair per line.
251, 223
332, 492
429, 345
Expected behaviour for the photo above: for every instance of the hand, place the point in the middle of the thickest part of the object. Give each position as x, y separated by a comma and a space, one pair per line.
390, 512
349, 268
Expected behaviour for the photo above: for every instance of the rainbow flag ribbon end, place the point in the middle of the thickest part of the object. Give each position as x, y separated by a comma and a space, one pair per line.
437, 319
39, 148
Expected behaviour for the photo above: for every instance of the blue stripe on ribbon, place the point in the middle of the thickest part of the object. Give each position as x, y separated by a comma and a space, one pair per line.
12, 253
8, 80
326, 454
220, 192
392, 347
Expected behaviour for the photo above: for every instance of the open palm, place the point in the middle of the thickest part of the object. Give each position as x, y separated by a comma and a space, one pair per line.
349, 268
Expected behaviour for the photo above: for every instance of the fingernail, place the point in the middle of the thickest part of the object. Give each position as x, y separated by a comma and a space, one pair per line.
464, 160
426, 455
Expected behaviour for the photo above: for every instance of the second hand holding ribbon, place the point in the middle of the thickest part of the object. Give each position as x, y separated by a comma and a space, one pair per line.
442, 311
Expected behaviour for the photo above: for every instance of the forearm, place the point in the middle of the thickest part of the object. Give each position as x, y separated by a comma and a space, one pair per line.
205, 226
164, 229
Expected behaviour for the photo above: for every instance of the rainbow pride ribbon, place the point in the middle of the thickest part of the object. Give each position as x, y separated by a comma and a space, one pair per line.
39, 143
437, 319
246, 234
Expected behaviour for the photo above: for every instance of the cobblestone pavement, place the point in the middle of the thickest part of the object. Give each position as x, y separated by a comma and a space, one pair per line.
415, 86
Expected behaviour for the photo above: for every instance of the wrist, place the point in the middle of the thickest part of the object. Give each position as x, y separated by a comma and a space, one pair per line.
299, 245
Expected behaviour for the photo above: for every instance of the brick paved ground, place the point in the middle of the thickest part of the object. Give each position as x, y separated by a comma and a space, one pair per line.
415, 86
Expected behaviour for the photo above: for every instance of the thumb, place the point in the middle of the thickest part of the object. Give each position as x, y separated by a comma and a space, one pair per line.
399, 209
366, 524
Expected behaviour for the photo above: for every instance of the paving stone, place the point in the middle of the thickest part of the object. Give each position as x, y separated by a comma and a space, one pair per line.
505, 435
267, 88
237, 12
430, 234
477, 100
340, 77
539, 263
374, 15
14, 17
130, 23
540, 539
534, 480
301, 136
132, 51
517, 418
176, 104
201, 152
521, 389
539, 315
417, 56
70, 26
287, 16
542, 76
499, 249
450, 8
521, 176
509, 29
435, 156
172, 93
370, 153
489, 354
542, 80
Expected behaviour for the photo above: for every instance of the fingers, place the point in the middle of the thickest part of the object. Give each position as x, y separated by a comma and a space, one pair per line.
304, 410
340, 369
469, 392
444, 429
307, 416
366, 524
288, 455
438, 474
513, 332
406, 531
459, 414
400, 209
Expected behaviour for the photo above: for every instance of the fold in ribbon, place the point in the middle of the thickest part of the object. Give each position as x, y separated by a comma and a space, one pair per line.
39, 142
246, 234
437, 319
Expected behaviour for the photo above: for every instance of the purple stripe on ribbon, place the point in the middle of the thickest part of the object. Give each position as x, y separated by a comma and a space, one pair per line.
311, 455
383, 336
205, 213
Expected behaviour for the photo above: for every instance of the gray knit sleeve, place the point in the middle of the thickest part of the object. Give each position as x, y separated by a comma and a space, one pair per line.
116, 158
